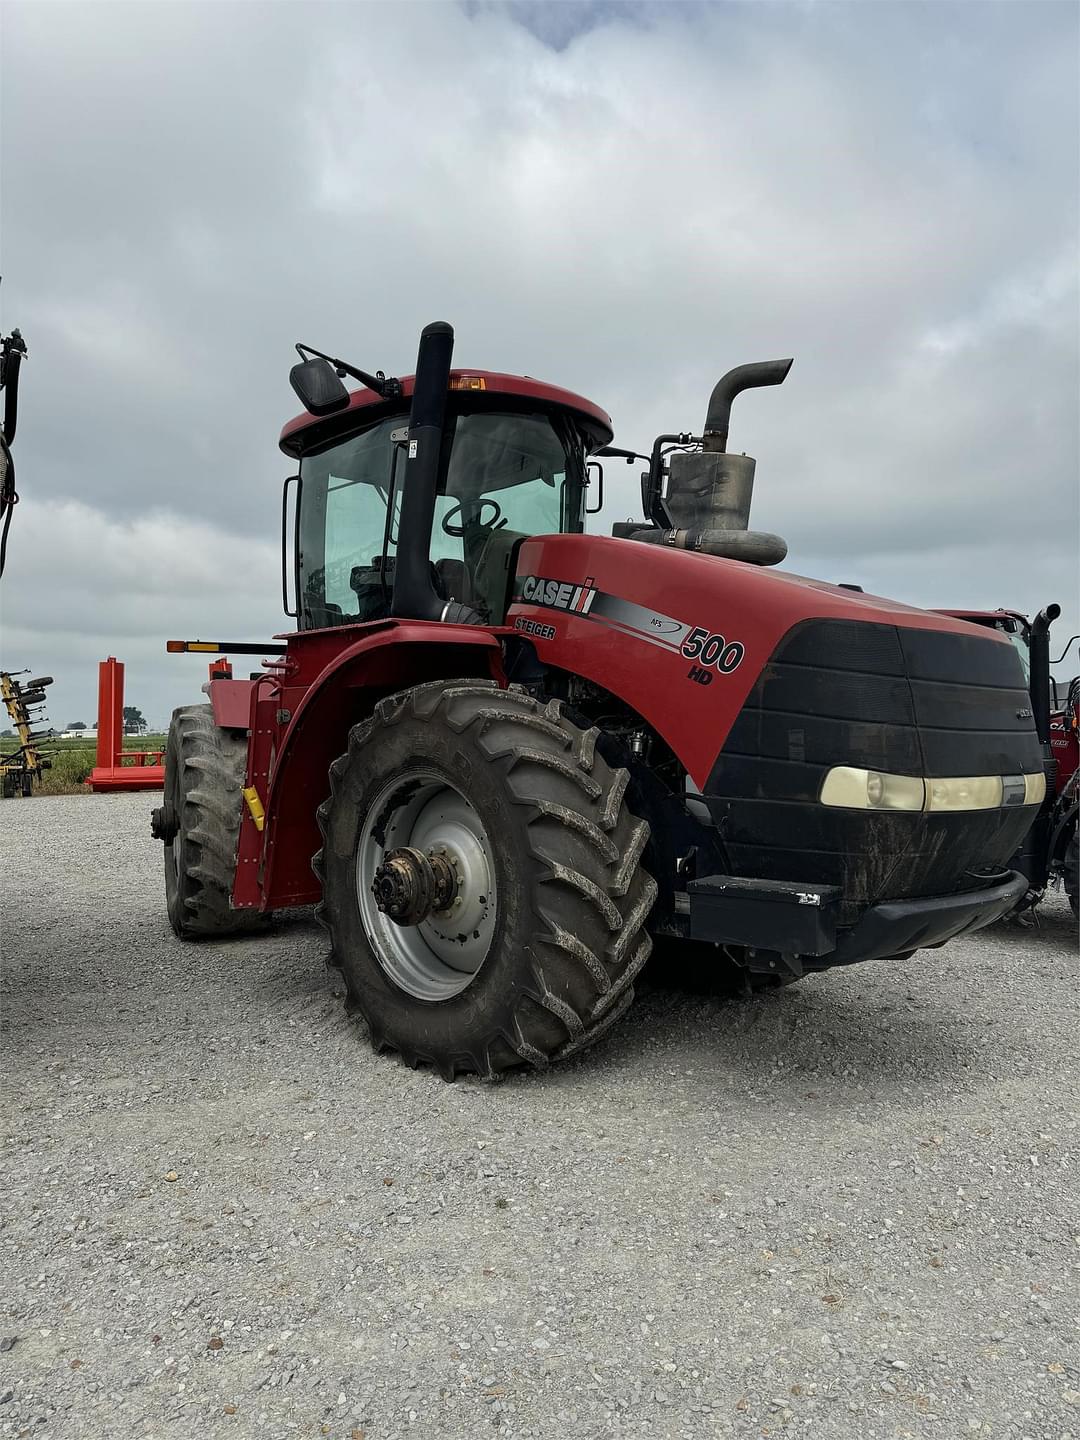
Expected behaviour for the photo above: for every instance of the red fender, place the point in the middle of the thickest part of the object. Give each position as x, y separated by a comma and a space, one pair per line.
300, 718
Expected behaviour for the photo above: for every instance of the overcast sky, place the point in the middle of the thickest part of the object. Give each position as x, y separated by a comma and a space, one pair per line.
626, 200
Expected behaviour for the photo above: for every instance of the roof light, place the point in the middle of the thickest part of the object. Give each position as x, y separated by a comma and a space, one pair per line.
467, 382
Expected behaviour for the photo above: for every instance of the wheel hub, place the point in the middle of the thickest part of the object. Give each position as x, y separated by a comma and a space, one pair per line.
164, 824
426, 885
409, 886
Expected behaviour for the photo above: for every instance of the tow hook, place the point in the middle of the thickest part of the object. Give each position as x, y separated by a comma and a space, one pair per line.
163, 824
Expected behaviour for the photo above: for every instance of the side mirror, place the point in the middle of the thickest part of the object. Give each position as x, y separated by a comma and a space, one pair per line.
594, 476
318, 387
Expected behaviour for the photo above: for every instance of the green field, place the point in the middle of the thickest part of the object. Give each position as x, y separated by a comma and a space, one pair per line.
72, 761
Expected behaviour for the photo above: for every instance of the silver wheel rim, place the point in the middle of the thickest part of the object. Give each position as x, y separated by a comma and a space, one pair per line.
438, 958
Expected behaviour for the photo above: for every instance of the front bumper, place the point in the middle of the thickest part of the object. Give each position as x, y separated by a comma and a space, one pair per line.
778, 918
896, 927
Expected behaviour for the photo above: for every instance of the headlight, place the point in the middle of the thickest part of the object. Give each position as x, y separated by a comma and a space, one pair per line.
854, 789
851, 788
966, 792
1034, 789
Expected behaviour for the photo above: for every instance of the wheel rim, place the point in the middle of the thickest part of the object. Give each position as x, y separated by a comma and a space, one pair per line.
436, 959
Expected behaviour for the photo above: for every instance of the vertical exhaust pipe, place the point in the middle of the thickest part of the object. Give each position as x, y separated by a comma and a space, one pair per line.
707, 506
415, 597
1033, 859
743, 377
1039, 665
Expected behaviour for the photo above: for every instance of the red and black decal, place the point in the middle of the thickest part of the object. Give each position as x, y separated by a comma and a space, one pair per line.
710, 650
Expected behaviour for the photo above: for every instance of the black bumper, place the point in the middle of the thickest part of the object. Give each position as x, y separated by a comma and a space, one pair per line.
772, 918
896, 927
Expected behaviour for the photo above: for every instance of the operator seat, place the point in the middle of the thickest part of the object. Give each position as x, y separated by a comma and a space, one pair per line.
452, 580
371, 591
494, 575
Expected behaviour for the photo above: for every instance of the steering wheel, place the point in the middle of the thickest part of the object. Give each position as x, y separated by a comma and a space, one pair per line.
494, 523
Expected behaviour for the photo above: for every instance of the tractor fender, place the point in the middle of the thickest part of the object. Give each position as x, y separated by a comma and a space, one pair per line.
293, 774
230, 701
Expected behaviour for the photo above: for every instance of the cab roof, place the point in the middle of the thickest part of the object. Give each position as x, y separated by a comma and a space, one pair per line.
982, 617
474, 383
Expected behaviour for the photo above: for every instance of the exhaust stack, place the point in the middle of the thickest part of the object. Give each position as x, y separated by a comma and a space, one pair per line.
743, 377
1039, 666
707, 506
414, 596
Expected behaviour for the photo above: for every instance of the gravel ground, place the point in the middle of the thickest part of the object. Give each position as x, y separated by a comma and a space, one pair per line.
847, 1209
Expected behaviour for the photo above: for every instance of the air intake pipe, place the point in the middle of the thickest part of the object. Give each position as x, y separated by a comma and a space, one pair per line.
415, 597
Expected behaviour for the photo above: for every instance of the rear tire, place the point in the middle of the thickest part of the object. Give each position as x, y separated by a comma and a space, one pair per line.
204, 777
550, 956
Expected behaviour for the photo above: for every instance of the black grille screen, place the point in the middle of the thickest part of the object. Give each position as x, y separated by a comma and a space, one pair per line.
915, 702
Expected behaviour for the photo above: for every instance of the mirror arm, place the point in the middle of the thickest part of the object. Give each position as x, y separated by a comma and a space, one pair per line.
616, 452
385, 385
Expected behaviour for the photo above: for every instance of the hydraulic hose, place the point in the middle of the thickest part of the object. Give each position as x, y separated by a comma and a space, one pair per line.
756, 547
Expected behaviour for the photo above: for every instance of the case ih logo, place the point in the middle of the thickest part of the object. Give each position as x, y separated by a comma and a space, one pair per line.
708, 649
558, 594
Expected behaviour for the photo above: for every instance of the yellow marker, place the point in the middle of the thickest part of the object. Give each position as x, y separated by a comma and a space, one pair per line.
255, 805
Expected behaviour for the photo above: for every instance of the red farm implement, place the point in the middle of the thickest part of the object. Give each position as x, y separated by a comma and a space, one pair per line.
117, 768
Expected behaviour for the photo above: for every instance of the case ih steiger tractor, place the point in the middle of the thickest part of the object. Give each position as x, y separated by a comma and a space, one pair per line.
1050, 853
501, 754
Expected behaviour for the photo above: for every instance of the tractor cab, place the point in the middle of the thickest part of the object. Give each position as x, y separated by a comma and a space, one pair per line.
510, 464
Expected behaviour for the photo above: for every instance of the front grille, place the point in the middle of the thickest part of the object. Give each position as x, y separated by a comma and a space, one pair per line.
916, 702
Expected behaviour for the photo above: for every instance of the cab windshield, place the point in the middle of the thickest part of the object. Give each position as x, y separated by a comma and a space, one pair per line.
511, 475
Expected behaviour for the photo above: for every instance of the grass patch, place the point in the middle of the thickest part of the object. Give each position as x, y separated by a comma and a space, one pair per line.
72, 761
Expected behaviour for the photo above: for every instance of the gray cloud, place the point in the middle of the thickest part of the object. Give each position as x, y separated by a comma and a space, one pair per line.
625, 200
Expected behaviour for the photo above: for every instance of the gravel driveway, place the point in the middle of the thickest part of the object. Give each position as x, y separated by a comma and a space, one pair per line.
848, 1209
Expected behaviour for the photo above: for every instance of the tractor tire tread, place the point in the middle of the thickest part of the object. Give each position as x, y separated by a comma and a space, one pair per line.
1071, 871
212, 763
589, 894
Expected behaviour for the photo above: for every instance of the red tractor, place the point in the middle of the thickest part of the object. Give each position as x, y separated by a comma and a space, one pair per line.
1050, 853
500, 754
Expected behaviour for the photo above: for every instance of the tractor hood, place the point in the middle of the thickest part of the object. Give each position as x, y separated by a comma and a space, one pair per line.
688, 635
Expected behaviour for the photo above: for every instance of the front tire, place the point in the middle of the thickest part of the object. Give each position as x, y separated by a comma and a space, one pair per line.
1071, 871
204, 777
536, 954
